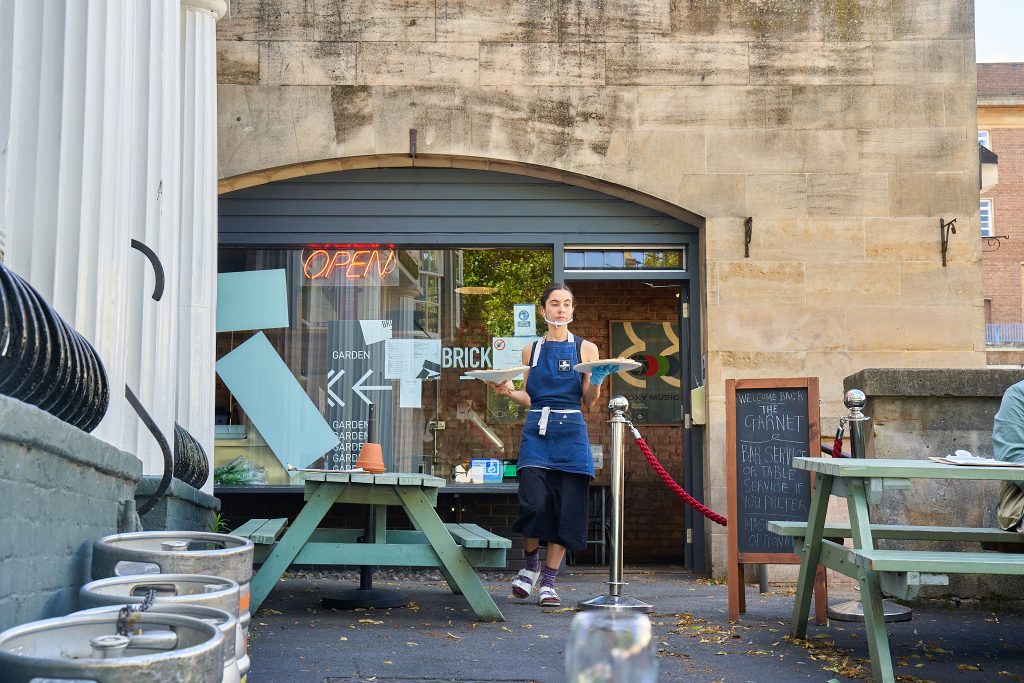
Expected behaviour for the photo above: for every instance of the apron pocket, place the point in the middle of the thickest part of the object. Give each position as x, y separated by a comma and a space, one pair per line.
567, 440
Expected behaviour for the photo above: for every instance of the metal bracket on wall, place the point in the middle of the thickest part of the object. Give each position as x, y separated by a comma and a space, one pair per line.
944, 230
994, 240
748, 232
412, 143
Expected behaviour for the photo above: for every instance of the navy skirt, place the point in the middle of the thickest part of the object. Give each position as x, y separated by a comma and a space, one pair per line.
553, 507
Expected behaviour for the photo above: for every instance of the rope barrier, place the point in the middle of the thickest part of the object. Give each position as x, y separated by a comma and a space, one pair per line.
671, 483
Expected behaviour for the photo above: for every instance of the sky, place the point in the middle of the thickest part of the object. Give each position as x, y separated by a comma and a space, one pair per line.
999, 27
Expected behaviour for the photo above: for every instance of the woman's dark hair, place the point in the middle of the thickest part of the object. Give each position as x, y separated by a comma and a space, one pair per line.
554, 287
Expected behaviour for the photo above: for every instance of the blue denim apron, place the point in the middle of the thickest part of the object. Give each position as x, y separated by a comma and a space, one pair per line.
555, 433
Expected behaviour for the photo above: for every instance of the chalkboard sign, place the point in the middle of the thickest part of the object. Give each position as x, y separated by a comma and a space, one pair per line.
768, 423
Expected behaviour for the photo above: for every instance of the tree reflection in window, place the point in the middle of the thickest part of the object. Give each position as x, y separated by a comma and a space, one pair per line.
518, 276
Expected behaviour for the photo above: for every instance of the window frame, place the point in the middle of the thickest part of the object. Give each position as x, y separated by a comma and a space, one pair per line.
988, 230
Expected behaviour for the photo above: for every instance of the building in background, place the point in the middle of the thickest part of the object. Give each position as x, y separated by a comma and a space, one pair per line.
1001, 216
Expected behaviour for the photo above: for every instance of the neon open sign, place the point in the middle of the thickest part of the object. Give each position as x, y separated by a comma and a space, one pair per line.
353, 264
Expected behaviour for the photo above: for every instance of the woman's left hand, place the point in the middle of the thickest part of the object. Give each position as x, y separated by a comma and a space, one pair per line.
598, 374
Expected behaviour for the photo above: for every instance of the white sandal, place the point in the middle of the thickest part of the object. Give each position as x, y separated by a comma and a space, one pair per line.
548, 597
523, 584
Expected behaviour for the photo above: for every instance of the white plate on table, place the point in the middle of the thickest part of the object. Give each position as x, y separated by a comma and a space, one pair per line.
622, 364
497, 376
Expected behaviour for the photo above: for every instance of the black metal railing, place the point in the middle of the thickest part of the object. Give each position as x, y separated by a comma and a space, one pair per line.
190, 462
46, 363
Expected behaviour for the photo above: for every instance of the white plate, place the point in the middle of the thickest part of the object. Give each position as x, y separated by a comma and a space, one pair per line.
623, 364
497, 376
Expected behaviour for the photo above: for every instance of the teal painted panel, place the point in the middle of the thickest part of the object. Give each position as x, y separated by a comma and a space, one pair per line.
275, 402
252, 300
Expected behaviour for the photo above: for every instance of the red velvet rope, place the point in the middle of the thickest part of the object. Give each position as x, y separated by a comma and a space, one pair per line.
676, 488
837, 448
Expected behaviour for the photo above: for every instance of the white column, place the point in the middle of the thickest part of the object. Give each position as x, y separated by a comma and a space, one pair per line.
65, 104
154, 196
197, 295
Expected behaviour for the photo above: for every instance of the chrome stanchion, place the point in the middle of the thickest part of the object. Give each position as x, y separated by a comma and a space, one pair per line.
853, 610
614, 599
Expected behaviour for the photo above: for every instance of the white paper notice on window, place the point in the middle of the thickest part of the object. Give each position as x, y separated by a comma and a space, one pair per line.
410, 394
507, 352
375, 330
412, 358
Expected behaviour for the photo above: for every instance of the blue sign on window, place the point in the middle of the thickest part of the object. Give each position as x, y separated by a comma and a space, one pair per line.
492, 469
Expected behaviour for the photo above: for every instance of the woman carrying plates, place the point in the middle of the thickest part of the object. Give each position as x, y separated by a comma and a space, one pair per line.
555, 465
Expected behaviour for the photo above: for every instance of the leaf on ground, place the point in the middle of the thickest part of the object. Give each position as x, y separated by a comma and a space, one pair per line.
543, 636
452, 636
371, 621
686, 619
968, 667
411, 644
267, 610
413, 606
343, 638
1012, 677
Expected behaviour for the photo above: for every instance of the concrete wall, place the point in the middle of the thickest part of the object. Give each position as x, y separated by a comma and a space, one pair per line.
183, 508
919, 413
844, 129
60, 489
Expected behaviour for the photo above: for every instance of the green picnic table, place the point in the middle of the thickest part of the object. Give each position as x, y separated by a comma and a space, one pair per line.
896, 572
455, 549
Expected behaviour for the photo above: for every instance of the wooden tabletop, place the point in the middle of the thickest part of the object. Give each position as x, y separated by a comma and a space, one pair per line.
905, 469
386, 479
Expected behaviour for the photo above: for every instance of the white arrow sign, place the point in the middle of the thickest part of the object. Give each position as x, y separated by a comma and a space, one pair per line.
358, 388
333, 398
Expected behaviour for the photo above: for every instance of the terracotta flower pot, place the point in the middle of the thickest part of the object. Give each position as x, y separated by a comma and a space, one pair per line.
371, 458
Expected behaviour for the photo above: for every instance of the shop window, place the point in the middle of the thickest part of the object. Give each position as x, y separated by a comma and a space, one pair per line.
395, 328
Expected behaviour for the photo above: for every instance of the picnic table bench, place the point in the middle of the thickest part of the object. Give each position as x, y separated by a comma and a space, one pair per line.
899, 573
455, 549
483, 549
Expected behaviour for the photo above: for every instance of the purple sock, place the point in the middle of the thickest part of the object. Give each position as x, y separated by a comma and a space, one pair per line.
532, 560
548, 576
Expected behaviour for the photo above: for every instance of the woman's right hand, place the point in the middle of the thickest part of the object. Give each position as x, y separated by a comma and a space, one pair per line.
505, 388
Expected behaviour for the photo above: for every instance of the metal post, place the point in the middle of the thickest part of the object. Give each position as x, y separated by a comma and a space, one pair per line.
614, 600
853, 610
854, 401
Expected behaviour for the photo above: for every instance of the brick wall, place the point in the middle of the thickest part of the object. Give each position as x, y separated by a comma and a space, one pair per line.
653, 516
1002, 267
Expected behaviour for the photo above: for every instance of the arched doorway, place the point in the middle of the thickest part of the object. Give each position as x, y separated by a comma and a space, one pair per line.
450, 235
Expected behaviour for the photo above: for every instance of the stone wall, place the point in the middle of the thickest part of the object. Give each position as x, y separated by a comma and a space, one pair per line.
60, 489
920, 413
845, 130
